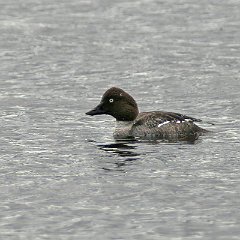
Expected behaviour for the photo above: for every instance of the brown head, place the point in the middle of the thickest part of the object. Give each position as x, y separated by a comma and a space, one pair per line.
117, 103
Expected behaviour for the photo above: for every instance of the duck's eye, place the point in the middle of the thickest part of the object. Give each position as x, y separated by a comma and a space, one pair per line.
111, 100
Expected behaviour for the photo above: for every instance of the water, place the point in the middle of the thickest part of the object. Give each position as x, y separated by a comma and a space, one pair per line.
62, 174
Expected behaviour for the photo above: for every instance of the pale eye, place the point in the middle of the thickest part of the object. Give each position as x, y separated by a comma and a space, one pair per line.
111, 100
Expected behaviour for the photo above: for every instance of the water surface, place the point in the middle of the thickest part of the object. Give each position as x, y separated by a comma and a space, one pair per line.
62, 175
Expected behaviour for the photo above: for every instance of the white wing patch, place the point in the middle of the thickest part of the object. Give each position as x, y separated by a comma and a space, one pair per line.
166, 122
178, 121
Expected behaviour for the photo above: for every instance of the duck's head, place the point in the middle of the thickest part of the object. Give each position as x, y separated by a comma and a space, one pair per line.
117, 103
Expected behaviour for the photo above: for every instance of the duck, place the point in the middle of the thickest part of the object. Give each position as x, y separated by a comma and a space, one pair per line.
132, 124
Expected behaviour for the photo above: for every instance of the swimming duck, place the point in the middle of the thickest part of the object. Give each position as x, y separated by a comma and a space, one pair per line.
145, 125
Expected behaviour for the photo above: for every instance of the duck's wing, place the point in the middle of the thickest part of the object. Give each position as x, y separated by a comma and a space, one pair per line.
157, 119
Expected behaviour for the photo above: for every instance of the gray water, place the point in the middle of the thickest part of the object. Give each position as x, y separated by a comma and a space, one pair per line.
62, 175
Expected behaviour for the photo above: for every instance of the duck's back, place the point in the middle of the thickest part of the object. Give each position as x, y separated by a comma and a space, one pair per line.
166, 125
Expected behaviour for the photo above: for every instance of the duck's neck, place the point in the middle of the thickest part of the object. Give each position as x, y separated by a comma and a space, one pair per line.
123, 128
123, 124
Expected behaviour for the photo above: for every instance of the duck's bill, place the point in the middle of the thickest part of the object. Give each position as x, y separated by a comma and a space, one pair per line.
96, 111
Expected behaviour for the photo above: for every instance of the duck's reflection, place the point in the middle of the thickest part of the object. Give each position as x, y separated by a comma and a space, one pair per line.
124, 149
